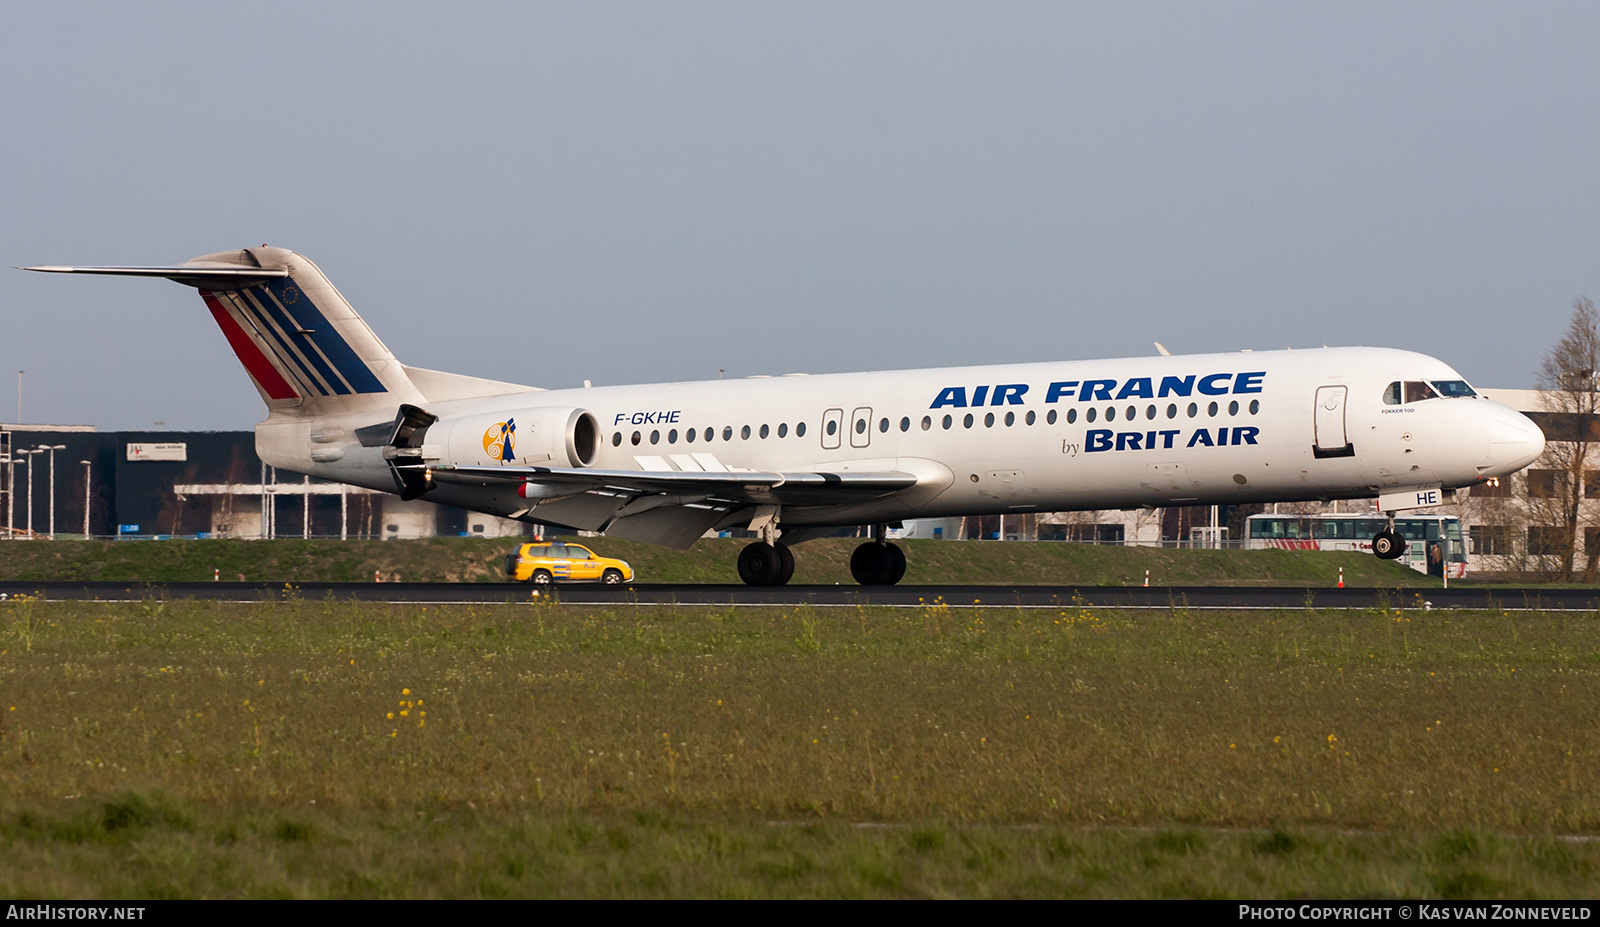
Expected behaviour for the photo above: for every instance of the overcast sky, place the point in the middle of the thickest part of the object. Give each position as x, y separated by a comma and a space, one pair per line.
638, 192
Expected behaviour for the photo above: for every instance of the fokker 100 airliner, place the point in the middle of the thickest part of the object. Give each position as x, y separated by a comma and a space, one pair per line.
795, 457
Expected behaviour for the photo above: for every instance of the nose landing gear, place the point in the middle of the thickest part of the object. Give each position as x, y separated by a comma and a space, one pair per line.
877, 562
1388, 544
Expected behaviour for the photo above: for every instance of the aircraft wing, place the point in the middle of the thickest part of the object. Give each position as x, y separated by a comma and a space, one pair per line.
792, 488
672, 508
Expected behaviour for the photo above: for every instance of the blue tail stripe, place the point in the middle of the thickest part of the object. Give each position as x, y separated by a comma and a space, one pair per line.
293, 328
246, 304
324, 336
279, 326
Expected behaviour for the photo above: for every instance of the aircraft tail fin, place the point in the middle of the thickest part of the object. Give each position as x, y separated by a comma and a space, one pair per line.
303, 346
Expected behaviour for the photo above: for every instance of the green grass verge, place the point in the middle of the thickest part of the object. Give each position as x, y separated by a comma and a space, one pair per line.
343, 749
825, 561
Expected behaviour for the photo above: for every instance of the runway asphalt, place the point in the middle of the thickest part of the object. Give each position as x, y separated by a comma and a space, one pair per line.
1207, 597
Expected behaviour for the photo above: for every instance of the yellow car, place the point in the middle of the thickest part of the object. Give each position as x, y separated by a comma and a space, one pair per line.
559, 562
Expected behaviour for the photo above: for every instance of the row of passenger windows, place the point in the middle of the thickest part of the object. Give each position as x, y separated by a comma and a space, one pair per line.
690, 434
1111, 414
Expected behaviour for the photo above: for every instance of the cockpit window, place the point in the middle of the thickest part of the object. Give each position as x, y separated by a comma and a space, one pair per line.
1391, 394
1453, 389
1417, 390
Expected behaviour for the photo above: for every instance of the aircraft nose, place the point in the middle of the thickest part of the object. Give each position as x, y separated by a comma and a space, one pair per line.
1514, 442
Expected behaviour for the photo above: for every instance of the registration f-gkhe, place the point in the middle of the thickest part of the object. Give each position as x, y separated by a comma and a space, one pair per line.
796, 457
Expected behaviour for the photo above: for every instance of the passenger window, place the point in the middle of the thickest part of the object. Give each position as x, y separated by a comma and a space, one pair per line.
988, 420
832, 426
1072, 416
636, 438
1172, 410
763, 431
966, 421
800, 429
744, 433
783, 430
1417, 391
616, 439
947, 423
883, 426
1193, 410
1031, 417
672, 436
1391, 394
1088, 415
710, 433
1233, 407
1011, 419
927, 422
655, 437
689, 435
1150, 412
727, 432
1050, 417
905, 424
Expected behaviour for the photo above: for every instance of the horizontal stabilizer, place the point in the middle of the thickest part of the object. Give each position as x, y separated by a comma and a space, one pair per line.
208, 275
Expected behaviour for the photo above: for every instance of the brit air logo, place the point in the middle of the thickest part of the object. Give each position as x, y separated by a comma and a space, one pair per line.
500, 441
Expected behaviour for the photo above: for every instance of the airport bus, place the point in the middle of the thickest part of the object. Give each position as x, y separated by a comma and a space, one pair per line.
1354, 532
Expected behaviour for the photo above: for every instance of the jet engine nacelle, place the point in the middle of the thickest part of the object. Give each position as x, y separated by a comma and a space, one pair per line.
550, 437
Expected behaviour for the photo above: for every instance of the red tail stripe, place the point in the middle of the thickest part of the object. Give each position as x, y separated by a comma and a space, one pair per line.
256, 363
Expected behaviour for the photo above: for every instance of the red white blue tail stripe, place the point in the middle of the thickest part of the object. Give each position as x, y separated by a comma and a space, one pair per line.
281, 322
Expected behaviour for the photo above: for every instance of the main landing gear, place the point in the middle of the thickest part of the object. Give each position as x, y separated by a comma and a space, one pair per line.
1388, 544
877, 562
766, 564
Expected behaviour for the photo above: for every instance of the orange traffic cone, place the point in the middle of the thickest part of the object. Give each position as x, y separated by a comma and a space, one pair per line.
1341, 577
1147, 578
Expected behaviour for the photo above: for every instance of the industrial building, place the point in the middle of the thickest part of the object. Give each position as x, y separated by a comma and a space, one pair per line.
74, 480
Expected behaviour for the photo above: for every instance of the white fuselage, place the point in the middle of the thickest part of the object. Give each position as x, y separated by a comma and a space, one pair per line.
1098, 434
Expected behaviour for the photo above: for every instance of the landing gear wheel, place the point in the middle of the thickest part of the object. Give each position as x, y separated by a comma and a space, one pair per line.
763, 564
877, 564
898, 568
1388, 545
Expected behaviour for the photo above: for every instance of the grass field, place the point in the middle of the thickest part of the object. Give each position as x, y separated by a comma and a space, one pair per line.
710, 561
312, 749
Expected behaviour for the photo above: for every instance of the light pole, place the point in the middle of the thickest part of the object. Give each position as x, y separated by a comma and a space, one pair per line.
11, 495
27, 461
86, 469
52, 448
